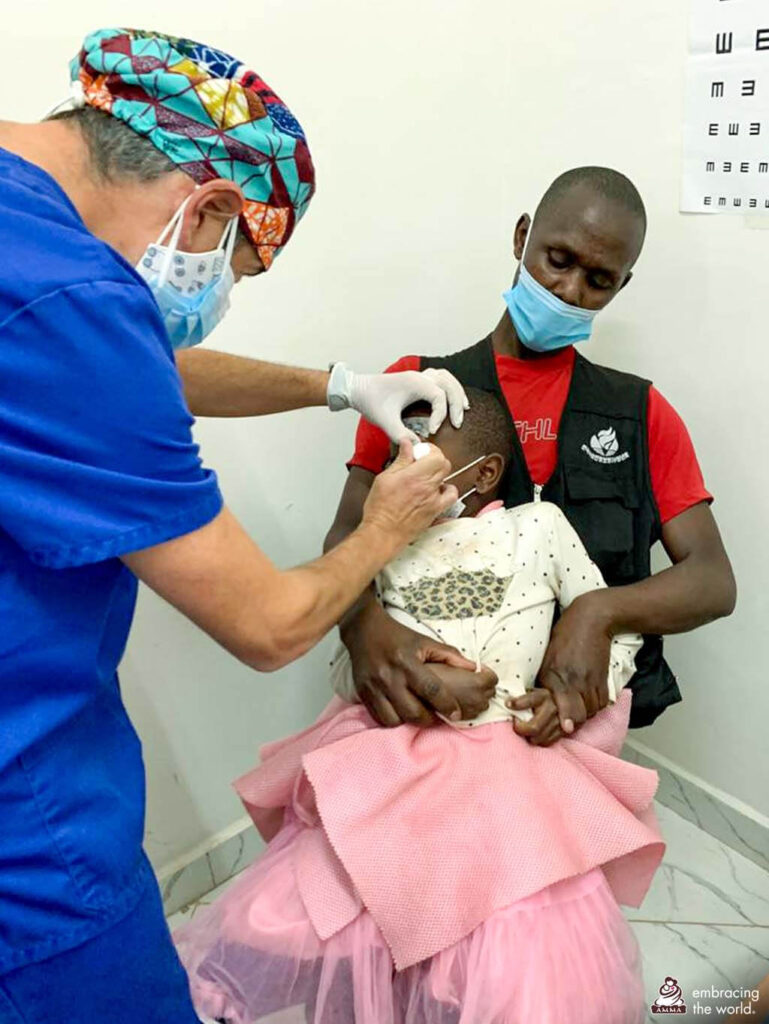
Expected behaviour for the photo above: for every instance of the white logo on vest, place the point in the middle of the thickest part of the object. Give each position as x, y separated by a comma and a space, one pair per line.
604, 447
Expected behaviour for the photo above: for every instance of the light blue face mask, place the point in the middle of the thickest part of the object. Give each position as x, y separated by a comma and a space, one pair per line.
192, 289
543, 322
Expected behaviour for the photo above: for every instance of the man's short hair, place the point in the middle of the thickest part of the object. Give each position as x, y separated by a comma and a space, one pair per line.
117, 152
604, 181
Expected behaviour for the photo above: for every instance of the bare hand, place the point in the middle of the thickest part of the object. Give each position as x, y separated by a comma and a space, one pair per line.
545, 726
575, 668
395, 675
408, 496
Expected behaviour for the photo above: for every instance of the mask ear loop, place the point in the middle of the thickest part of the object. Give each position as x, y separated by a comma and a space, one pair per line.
176, 223
75, 100
526, 248
232, 227
229, 245
468, 466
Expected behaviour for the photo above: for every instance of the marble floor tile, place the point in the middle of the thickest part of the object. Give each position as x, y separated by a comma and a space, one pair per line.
212, 896
187, 884
740, 831
703, 881
187, 913
180, 917
234, 855
702, 956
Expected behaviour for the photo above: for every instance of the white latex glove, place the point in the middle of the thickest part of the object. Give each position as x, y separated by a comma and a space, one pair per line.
382, 397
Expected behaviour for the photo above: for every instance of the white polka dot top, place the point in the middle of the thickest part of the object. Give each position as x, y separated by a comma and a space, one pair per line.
489, 587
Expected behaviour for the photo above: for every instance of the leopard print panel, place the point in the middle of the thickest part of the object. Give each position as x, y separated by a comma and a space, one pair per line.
457, 595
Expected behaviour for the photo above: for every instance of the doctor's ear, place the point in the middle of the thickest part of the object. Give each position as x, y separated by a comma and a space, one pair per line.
208, 210
490, 473
520, 235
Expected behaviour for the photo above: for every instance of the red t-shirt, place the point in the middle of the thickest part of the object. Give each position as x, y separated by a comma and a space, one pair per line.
537, 389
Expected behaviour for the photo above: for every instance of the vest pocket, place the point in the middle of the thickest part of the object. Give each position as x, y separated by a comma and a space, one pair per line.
602, 511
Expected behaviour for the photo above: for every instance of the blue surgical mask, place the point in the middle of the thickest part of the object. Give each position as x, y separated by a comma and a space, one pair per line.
543, 322
192, 289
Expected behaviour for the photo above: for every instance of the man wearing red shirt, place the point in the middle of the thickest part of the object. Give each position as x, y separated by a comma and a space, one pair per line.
605, 446
536, 389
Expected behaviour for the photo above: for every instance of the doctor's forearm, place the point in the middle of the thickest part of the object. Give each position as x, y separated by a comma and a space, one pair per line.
220, 384
346, 521
312, 598
264, 616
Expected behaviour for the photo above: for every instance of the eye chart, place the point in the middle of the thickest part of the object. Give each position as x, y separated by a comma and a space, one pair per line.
726, 129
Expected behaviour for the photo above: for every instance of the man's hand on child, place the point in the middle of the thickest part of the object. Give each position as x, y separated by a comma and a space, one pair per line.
471, 690
394, 670
545, 727
575, 668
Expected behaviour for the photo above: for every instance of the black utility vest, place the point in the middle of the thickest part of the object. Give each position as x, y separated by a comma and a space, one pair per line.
602, 484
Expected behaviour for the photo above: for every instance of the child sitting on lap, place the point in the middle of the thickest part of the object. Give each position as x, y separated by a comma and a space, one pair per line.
459, 874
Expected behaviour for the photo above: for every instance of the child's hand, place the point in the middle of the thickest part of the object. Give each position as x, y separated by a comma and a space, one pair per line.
545, 727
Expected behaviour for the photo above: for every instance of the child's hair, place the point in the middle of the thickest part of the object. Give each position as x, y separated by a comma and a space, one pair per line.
488, 426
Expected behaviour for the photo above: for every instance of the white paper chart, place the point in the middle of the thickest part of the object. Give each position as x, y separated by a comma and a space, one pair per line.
726, 128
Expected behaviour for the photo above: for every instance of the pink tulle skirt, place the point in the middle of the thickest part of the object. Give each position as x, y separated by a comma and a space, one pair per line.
564, 955
389, 894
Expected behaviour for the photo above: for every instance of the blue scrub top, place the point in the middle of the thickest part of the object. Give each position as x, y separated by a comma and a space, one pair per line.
96, 460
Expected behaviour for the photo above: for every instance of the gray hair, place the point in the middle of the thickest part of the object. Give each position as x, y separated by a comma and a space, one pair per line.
115, 150
118, 153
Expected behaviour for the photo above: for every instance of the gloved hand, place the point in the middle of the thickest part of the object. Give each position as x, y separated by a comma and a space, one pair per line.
382, 397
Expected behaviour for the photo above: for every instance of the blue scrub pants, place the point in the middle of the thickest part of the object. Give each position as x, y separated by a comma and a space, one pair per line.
129, 974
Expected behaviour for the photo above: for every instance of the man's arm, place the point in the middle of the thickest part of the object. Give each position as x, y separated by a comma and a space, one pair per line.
390, 661
698, 588
350, 510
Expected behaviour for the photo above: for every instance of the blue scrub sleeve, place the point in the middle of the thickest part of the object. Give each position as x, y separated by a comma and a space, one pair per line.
96, 450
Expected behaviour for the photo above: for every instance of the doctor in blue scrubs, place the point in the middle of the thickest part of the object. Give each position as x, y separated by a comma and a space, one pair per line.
124, 223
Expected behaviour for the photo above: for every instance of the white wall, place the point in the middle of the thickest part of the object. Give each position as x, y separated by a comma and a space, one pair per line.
434, 124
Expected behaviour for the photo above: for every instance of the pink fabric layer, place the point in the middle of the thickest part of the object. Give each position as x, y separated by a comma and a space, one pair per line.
565, 954
434, 830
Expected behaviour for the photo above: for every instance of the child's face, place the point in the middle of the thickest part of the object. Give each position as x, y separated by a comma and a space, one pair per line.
452, 443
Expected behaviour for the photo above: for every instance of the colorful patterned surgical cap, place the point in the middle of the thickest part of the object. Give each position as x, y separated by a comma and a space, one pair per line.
211, 116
